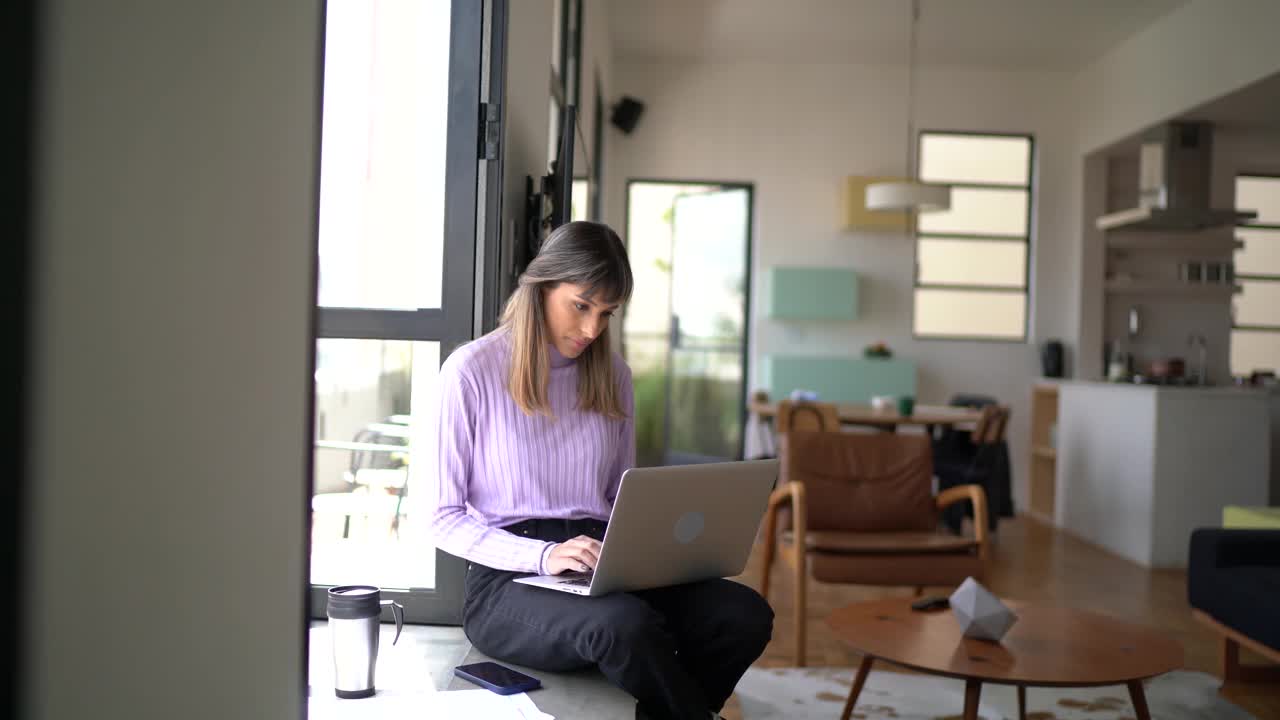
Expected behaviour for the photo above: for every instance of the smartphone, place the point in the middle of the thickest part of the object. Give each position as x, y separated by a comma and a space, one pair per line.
502, 680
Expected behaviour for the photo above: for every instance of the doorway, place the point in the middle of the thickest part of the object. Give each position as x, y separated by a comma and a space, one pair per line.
685, 331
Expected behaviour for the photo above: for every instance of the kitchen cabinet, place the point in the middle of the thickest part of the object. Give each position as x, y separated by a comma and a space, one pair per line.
1140, 467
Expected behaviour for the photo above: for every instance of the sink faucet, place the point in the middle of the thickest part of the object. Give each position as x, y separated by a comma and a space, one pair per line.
1196, 340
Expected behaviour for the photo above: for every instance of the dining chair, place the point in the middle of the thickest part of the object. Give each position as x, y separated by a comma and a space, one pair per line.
986, 464
766, 448
860, 509
805, 415
952, 439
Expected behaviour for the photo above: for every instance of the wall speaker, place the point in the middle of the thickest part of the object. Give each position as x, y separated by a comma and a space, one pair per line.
626, 113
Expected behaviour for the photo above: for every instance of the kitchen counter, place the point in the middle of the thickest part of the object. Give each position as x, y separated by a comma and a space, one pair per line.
1141, 466
1229, 390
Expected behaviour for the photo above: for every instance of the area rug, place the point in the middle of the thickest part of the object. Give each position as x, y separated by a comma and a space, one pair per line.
804, 693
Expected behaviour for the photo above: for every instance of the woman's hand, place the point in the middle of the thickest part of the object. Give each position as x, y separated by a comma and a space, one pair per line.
577, 555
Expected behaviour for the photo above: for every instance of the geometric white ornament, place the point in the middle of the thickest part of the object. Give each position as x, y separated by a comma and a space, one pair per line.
980, 613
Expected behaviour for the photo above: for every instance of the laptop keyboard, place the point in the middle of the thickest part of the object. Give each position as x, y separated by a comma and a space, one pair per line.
579, 581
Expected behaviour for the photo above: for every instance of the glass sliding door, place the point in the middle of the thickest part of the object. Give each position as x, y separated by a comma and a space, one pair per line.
685, 331
397, 240
705, 397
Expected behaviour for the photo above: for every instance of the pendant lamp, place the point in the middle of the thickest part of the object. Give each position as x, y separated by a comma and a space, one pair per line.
909, 195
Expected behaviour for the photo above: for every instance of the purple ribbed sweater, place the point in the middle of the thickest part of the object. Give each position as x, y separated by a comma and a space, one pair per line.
494, 466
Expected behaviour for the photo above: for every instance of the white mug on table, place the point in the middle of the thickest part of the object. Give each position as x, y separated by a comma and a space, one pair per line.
882, 403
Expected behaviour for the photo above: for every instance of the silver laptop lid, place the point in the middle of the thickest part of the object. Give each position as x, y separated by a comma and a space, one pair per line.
684, 523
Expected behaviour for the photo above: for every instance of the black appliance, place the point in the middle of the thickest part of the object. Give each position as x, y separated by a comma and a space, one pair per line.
1052, 364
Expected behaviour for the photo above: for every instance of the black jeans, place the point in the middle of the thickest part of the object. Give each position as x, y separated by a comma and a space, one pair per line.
678, 650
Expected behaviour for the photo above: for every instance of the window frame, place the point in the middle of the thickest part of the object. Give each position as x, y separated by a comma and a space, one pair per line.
564, 81
477, 37
1026, 239
1253, 277
570, 53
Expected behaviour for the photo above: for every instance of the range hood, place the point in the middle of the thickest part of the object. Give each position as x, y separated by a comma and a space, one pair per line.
1174, 169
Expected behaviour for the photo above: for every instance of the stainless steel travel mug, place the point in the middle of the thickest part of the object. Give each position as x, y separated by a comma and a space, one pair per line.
354, 612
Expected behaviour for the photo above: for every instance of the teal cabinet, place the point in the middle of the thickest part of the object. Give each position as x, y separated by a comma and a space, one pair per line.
838, 379
810, 293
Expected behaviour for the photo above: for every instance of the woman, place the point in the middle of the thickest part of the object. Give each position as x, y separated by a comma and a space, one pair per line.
535, 430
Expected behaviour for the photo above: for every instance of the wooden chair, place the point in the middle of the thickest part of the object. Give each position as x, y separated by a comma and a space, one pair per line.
765, 446
986, 464
860, 509
793, 415
991, 426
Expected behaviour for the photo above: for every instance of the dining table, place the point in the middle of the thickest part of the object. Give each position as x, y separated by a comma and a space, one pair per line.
885, 420
928, 416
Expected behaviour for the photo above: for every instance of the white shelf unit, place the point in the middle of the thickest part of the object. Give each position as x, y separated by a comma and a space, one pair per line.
1201, 291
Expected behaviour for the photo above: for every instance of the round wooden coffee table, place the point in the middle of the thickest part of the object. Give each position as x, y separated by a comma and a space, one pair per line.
1046, 647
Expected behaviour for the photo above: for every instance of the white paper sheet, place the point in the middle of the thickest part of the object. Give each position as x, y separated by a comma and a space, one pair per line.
530, 711
485, 704
463, 704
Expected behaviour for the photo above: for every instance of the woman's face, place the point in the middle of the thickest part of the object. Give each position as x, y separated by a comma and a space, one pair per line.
573, 319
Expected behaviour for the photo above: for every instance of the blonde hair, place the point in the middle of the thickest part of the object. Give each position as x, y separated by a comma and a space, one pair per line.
579, 253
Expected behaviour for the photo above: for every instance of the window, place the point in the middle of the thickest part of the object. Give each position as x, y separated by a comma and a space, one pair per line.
971, 260
579, 206
685, 333
1255, 321
397, 252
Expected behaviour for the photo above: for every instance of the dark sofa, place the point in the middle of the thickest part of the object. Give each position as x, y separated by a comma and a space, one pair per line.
1233, 586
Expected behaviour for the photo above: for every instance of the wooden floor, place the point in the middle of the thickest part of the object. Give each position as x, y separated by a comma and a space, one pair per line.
1034, 563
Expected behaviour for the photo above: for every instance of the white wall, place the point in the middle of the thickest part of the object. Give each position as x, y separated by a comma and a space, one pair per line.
1202, 50
796, 131
175, 244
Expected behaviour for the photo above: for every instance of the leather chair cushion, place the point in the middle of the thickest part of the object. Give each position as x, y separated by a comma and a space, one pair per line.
895, 570
873, 483
882, 543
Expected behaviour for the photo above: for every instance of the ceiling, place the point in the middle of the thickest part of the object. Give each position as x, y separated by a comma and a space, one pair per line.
1009, 34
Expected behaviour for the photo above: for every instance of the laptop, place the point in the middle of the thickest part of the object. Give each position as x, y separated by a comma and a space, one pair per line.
673, 525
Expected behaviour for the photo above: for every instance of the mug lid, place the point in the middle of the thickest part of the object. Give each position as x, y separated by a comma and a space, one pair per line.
353, 590
348, 602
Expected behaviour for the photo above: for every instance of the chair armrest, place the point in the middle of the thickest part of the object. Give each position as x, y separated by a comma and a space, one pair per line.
791, 494
976, 495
